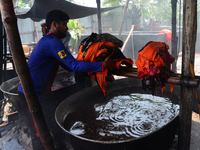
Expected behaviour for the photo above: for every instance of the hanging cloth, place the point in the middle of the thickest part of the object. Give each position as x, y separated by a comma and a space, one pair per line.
96, 48
154, 65
168, 34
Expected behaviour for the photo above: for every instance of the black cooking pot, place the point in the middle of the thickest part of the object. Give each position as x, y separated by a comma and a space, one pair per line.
160, 139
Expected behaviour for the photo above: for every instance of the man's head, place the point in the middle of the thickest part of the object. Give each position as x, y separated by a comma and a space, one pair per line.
56, 21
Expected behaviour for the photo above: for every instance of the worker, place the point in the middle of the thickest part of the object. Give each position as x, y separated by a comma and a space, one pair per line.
44, 29
44, 62
153, 25
65, 40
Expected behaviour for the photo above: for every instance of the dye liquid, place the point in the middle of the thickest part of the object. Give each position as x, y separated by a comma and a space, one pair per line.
122, 117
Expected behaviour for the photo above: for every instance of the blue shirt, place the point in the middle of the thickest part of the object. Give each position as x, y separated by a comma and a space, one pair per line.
45, 59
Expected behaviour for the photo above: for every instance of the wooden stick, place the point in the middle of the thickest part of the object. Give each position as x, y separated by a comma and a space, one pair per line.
124, 45
133, 50
131, 72
123, 19
195, 89
134, 69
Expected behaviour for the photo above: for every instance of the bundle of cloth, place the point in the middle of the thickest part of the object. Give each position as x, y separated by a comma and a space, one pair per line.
96, 48
168, 34
154, 65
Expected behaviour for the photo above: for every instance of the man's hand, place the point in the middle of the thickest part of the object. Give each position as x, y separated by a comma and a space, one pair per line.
109, 63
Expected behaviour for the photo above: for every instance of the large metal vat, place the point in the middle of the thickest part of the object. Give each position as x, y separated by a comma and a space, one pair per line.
160, 139
63, 86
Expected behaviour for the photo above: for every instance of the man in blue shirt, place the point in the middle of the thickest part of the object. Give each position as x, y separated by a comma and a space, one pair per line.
46, 58
50, 52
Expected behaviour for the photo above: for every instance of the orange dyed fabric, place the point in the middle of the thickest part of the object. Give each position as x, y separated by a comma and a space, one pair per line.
168, 34
152, 58
148, 56
93, 52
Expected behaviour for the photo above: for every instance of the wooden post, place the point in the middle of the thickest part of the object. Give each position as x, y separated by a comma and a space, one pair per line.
188, 52
1, 57
35, 28
174, 37
123, 19
133, 50
99, 15
10, 23
130, 33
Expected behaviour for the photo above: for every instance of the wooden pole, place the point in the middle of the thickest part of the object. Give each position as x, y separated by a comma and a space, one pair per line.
131, 32
99, 15
188, 53
35, 28
195, 89
132, 72
123, 19
174, 37
10, 23
1, 57
133, 50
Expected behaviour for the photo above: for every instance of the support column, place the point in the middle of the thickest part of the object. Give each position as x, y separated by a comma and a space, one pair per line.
188, 53
99, 15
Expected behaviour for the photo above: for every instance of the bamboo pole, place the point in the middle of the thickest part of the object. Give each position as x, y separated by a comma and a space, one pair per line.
35, 27
174, 37
195, 89
1, 58
131, 32
10, 23
134, 69
133, 50
132, 72
123, 19
99, 15
188, 53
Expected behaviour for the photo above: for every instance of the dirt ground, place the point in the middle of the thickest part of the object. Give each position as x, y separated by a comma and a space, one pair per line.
195, 132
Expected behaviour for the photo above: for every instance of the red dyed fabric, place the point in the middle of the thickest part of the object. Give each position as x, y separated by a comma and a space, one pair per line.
152, 59
168, 34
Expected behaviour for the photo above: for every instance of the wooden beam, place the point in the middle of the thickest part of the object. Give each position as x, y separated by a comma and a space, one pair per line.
123, 19
10, 23
188, 53
99, 15
177, 80
174, 37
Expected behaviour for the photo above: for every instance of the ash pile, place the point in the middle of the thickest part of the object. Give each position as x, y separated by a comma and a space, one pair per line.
14, 135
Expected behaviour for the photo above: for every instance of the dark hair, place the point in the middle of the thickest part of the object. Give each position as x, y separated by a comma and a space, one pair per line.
57, 16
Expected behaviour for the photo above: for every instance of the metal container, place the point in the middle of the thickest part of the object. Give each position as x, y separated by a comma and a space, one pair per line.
160, 139
9, 89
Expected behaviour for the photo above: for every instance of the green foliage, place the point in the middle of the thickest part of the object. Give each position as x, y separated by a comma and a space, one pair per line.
76, 29
160, 10
24, 3
111, 3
